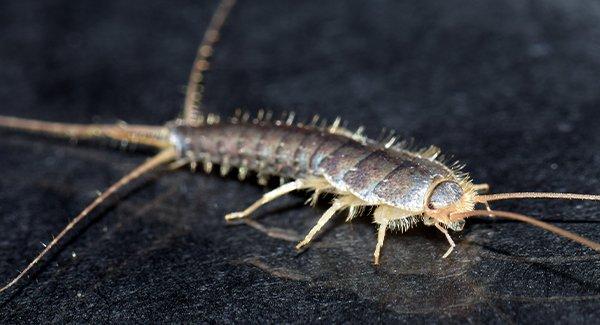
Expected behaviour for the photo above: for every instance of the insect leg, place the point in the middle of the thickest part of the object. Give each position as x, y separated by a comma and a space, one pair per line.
385, 217
337, 205
380, 237
268, 197
450, 241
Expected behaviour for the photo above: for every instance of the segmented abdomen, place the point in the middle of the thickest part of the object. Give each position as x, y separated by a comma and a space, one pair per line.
364, 168
280, 150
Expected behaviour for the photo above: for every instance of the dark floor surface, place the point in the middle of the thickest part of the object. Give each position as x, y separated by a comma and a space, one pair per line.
511, 88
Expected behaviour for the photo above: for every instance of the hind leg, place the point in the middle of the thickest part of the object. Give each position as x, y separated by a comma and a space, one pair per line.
322, 221
268, 197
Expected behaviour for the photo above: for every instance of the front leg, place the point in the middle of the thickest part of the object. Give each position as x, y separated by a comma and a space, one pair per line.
450, 241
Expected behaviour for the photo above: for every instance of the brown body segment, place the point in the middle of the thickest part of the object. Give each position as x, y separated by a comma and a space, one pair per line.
371, 172
274, 149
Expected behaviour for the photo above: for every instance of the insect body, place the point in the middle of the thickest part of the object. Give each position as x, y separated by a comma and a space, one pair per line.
361, 172
400, 186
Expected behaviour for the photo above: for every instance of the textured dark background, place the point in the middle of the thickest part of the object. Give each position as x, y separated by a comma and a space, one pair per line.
509, 87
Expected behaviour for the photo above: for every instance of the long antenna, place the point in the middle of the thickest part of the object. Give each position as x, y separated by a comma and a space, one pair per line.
160, 159
195, 89
532, 221
536, 195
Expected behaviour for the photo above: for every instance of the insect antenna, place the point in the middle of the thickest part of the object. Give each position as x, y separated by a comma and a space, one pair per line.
532, 221
536, 195
158, 160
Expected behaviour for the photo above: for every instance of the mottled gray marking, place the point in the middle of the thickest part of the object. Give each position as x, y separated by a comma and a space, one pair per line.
344, 159
375, 174
369, 172
324, 150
